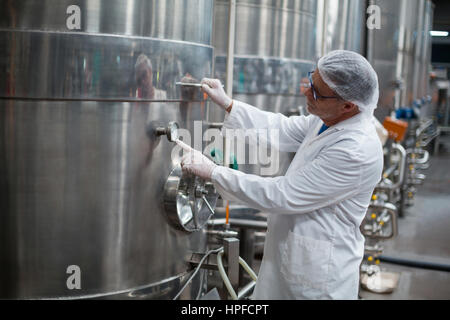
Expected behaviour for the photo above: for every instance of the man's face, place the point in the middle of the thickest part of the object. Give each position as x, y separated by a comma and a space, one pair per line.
144, 77
326, 109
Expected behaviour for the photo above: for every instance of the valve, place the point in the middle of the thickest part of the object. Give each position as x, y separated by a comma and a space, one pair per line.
171, 131
188, 200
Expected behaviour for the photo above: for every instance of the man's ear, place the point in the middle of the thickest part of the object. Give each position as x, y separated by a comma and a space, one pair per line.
349, 107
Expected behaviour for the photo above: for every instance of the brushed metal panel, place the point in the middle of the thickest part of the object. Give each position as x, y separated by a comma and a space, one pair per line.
84, 66
81, 183
345, 25
169, 19
271, 28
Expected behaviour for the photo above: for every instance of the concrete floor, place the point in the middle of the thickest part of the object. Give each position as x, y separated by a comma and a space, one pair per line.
423, 235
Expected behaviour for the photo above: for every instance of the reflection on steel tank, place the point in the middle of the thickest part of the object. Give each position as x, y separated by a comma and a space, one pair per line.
81, 180
276, 45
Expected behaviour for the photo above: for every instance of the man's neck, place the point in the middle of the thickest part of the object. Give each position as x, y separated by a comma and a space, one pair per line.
343, 117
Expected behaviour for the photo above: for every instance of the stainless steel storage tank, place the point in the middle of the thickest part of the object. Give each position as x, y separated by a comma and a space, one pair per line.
343, 25
400, 52
81, 177
276, 44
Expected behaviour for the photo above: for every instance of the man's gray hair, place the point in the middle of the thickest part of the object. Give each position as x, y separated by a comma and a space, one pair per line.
143, 60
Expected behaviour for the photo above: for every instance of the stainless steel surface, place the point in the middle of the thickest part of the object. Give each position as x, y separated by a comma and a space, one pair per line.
246, 290
274, 49
276, 45
400, 53
231, 42
231, 250
383, 46
268, 28
241, 223
170, 19
343, 25
81, 181
84, 66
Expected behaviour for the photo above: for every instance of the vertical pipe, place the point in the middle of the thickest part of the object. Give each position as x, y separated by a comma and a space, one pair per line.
417, 75
399, 96
367, 46
321, 30
230, 68
230, 48
344, 32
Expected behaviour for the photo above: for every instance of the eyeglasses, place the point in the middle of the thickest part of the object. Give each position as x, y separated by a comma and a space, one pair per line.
315, 95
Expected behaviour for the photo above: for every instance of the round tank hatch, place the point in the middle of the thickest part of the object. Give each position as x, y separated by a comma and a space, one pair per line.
188, 200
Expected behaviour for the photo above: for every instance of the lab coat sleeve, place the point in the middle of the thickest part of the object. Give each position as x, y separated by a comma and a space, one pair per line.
291, 131
332, 177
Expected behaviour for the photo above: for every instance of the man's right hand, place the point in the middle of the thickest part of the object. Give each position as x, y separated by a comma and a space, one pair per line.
214, 89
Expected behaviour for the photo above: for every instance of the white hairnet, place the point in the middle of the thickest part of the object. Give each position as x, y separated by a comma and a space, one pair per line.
352, 77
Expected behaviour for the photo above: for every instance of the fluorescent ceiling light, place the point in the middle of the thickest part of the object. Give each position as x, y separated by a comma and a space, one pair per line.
439, 33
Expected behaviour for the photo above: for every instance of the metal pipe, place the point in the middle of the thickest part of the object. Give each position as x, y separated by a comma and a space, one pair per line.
230, 69
392, 211
401, 168
423, 127
214, 125
415, 263
246, 290
424, 159
241, 223
389, 171
230, 47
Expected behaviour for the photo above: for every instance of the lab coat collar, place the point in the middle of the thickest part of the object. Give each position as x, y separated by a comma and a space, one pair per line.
356, 122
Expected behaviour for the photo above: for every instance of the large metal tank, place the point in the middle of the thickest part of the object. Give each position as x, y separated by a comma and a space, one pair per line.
423, 67
275, 47
276, 44
400, 52
81, 175
342, 26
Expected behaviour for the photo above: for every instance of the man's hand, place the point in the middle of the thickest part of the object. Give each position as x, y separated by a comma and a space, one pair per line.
196, 163
214, 89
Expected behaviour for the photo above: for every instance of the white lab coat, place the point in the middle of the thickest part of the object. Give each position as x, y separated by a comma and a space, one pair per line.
313, 246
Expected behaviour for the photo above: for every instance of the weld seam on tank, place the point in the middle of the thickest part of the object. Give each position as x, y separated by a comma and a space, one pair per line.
119, 292
90, 34
93, 99
259, 57
275, 8
415, 263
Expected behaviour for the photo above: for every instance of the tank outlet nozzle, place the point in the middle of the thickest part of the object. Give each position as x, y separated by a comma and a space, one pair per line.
171, 131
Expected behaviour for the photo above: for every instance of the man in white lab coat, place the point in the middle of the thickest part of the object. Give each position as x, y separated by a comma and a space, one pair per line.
314, 246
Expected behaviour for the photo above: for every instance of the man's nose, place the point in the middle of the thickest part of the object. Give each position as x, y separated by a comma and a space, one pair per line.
308, 93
